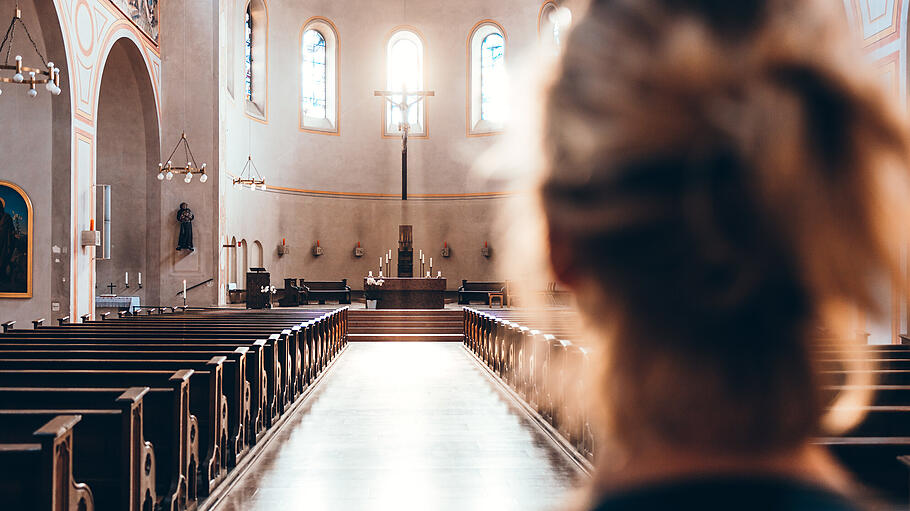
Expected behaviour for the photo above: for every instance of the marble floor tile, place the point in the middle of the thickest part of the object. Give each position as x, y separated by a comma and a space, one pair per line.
402, 426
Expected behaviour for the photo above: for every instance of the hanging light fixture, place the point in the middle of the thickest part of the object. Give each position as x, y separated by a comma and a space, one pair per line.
249, 176
168, 169
24, 75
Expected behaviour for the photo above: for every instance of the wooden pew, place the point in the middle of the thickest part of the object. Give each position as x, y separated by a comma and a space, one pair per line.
36, 470
480, 291
201, 453
140, 350
111, 424
321, 291
206, 401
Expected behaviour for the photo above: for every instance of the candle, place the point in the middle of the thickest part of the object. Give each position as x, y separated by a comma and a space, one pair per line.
371, 273
140, 278
126, 278
380, 263
428, 274
431, 262
439, 275
184, 289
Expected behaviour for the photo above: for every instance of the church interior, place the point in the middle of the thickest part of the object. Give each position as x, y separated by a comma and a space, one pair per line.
273, 254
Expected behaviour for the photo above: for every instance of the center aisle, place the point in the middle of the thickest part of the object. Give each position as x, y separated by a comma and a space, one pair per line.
399, 426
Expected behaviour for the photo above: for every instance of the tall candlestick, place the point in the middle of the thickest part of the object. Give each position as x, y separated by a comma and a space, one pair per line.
126, 279
184, 289
140, 278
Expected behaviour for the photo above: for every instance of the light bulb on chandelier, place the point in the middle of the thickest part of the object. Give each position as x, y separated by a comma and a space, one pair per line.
249, 176
167, 170
46, 74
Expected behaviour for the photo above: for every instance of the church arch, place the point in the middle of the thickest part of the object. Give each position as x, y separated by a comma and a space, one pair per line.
258, 254
127, 140
486, 81
319, 76
256, 59
243, 260
405, 67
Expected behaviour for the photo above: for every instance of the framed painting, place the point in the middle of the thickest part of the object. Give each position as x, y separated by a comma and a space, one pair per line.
16, 242
143, 13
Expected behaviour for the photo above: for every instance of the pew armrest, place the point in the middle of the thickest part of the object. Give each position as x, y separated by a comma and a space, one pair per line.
64, 320
8, 326
37, 322
85, 318
58, 426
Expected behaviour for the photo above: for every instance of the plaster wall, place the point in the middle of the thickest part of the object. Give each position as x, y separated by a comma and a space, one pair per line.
189, 90
358, 160
36, 143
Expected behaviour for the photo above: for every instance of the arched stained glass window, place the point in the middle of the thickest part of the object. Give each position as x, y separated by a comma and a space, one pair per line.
248, 52
492, 77
314, 75
552, 25
405, 73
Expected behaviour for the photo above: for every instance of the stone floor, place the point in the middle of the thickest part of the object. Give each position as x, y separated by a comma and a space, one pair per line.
406, 426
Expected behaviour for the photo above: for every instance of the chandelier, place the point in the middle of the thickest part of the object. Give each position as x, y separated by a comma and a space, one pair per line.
249, 176
50, 77
167, 170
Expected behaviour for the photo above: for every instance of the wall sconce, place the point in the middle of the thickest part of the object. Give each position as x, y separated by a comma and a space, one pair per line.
446, 251
358, 250
317, 250
283, 248
91, 237
485, 251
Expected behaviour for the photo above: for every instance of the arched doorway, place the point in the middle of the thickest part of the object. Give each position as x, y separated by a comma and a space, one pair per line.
127, 150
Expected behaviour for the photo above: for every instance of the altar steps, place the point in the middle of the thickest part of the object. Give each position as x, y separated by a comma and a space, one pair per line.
406, 325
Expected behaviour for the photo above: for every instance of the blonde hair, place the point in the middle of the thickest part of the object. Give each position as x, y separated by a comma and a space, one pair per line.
721, 180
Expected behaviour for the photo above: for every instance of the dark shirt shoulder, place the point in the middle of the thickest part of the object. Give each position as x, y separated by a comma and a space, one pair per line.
743, 494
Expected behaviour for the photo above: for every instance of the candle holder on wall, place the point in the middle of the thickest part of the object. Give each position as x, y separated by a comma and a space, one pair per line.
358, 250
317, 250
485, 251
446, 251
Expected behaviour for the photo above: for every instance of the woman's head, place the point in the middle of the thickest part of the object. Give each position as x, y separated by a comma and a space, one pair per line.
717, 181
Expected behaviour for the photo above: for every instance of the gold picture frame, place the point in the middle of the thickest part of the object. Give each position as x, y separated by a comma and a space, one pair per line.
16, 255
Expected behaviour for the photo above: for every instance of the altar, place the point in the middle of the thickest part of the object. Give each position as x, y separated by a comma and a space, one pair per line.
123, 303
411, 293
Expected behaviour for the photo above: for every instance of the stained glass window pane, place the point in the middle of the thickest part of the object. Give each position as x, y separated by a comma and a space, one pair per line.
404, 72
492, 77
314, 74
248, 53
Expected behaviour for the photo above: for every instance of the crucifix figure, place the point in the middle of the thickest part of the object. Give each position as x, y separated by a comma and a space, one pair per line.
404, 106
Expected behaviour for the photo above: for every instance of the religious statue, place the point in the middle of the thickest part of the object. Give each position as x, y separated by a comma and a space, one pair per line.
404, 106
185, 217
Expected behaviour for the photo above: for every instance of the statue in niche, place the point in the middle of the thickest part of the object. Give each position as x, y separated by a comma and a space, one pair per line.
185, 217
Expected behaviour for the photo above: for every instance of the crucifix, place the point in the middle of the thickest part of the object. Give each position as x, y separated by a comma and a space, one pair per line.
111, 286
404, 106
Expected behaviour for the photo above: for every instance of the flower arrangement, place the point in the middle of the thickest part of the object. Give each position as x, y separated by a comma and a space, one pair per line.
372, 287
